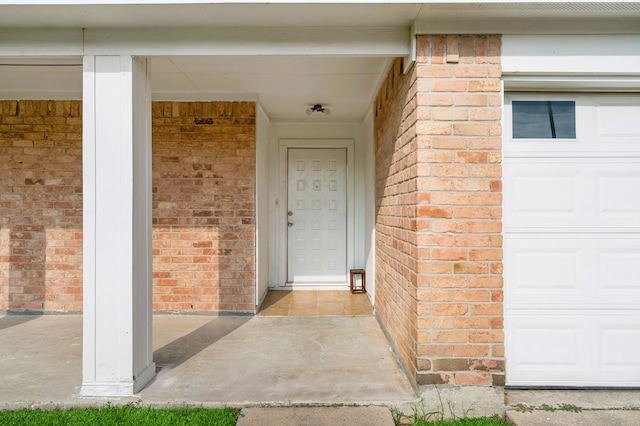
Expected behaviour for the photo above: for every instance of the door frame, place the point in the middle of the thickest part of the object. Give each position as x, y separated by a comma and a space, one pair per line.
280, 243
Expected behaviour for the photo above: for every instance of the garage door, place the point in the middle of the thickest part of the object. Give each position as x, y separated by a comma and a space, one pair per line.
572, 240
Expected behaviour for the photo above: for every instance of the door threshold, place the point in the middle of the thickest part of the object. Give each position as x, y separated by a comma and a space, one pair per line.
313, 286
315, 304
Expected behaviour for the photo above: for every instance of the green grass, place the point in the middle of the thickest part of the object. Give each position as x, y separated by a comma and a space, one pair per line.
130, 414
481, 421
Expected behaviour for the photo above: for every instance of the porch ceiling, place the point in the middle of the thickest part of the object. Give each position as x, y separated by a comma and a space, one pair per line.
284, 83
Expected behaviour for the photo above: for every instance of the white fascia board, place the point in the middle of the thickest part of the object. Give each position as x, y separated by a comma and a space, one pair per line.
249, 41
529, 26
152, 2
572, 83
571, 54
385, 42
19, 42
178, 2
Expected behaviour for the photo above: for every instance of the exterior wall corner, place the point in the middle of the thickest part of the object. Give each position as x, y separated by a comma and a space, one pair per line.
447, 219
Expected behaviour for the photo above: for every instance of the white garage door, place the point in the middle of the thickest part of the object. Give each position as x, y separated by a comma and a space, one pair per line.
572, 240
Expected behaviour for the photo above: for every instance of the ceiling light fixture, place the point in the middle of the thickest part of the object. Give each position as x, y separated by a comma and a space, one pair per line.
318, 108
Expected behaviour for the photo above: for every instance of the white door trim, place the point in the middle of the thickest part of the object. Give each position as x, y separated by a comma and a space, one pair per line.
280, 242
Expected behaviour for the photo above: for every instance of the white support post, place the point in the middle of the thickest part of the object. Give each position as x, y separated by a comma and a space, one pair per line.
117, 358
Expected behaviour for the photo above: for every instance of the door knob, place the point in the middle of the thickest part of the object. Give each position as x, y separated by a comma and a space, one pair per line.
289, 224
290, 213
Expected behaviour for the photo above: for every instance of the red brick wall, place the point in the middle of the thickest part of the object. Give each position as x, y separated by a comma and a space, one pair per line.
203, 200
396, 199
456, 239
204, 206
40, 205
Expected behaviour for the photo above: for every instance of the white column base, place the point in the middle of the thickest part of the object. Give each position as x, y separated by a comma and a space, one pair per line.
121, 389
144, 378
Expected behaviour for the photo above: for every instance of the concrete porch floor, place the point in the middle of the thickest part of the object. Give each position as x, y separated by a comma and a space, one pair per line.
262, 361
210, 361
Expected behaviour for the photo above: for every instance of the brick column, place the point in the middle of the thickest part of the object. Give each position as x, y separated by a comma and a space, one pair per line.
459, 297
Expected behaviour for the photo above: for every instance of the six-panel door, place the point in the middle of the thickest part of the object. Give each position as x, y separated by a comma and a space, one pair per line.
317, 216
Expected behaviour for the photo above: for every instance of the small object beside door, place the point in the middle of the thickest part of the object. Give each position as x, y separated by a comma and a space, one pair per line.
357, 286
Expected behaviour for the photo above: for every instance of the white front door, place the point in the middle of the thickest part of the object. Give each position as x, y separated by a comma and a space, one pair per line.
317, 216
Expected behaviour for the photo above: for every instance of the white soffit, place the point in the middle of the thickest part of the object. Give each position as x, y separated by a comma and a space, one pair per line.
35, 78
430, 17
284, 85
207, 14
523, 17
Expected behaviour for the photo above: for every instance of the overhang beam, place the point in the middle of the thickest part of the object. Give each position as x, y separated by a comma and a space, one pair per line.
379, 42
250, 41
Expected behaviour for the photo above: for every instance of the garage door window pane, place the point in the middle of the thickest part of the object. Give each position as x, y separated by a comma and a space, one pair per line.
544, 119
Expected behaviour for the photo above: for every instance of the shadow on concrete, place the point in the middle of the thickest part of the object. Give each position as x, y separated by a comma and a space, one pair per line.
11, 319
182, 349
278, 360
